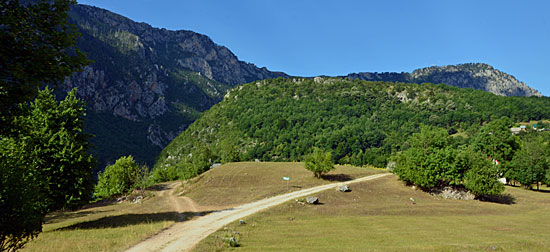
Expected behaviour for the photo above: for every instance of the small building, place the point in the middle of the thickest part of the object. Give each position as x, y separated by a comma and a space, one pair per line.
515, 131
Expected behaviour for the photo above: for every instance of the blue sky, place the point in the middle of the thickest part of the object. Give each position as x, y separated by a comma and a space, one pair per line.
308, 38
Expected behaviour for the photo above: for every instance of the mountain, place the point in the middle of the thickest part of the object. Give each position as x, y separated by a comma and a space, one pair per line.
145, 84
360, 122
471, 75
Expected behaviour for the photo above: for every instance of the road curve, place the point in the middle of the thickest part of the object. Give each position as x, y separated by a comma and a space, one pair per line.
184, 236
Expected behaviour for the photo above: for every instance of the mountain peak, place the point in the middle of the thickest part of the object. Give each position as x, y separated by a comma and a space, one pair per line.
468, 75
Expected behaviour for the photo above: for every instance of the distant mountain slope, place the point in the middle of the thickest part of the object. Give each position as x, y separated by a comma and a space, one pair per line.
360, 122
148, 84
471, 75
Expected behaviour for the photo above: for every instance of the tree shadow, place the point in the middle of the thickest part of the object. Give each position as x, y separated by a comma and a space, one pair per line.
540, 190
133, 219
60, 215
506, 199
157, 187
336, 177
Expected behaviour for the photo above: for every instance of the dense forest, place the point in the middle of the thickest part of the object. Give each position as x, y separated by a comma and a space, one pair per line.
360, 122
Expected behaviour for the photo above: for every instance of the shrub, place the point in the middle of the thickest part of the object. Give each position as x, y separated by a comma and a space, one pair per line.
120, 178
319, 162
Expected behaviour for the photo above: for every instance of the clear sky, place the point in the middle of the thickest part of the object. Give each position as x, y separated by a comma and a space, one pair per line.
318, 37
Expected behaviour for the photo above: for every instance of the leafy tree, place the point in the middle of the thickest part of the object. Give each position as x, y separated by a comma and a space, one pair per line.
429, 162
531, 162
21, 214
319, 162
120, 178
481, 176
43, 155
432, 161
497, 142
37, 48
48, 153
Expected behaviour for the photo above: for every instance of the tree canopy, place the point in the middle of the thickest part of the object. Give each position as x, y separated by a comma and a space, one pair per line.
44, 160
359, 122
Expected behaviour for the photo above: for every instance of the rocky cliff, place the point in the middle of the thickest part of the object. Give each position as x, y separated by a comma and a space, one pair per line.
470, 75
145, 85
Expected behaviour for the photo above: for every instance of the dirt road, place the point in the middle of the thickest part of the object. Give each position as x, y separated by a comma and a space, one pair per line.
183, 236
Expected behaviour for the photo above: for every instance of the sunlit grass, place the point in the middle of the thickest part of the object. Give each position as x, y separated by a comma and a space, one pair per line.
379, 215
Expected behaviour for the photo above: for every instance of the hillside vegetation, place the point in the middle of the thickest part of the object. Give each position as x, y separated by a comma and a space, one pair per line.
359, 122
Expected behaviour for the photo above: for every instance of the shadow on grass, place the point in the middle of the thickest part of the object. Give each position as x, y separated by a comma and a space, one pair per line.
336, 177
158, 187
506, 199
61, 216
133, 219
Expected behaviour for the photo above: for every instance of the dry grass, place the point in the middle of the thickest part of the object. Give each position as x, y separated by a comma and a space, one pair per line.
104, 226
379, 215
117, 226
239, 183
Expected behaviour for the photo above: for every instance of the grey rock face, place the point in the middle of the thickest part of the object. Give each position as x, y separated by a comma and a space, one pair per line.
157, 80
470, 75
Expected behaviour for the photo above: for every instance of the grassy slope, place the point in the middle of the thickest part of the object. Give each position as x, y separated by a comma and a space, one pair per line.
379, 216
114, 227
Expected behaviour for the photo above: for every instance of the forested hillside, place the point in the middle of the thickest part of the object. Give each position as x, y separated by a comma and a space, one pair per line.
359, 122
145, 85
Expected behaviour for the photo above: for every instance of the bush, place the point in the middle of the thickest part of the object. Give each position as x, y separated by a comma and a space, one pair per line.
120, 178
432, 161
319, 162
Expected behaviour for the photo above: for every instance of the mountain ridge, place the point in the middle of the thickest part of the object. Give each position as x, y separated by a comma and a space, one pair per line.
148, 84
467, 75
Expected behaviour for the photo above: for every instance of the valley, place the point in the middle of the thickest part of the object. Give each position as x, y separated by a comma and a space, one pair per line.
120, 135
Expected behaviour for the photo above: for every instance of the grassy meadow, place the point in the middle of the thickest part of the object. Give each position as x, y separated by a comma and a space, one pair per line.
238, 183
379, 215
111, 226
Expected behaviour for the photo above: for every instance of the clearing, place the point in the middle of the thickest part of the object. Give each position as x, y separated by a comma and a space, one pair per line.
111, 226
379, 215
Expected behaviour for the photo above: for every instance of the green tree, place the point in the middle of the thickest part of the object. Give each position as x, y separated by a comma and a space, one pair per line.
21, 214
531, 162
481, 177
44, 161
429, 162
319, 162
497, 142
49, 152
37, 48
120, 178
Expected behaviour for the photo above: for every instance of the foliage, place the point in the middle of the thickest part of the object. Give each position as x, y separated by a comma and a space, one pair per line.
432, 161
429, 161
44, 158
359, 122
319, 162
36, 41
20, 211
482, 176
45, 165
495, 141
120, 178
531, 162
